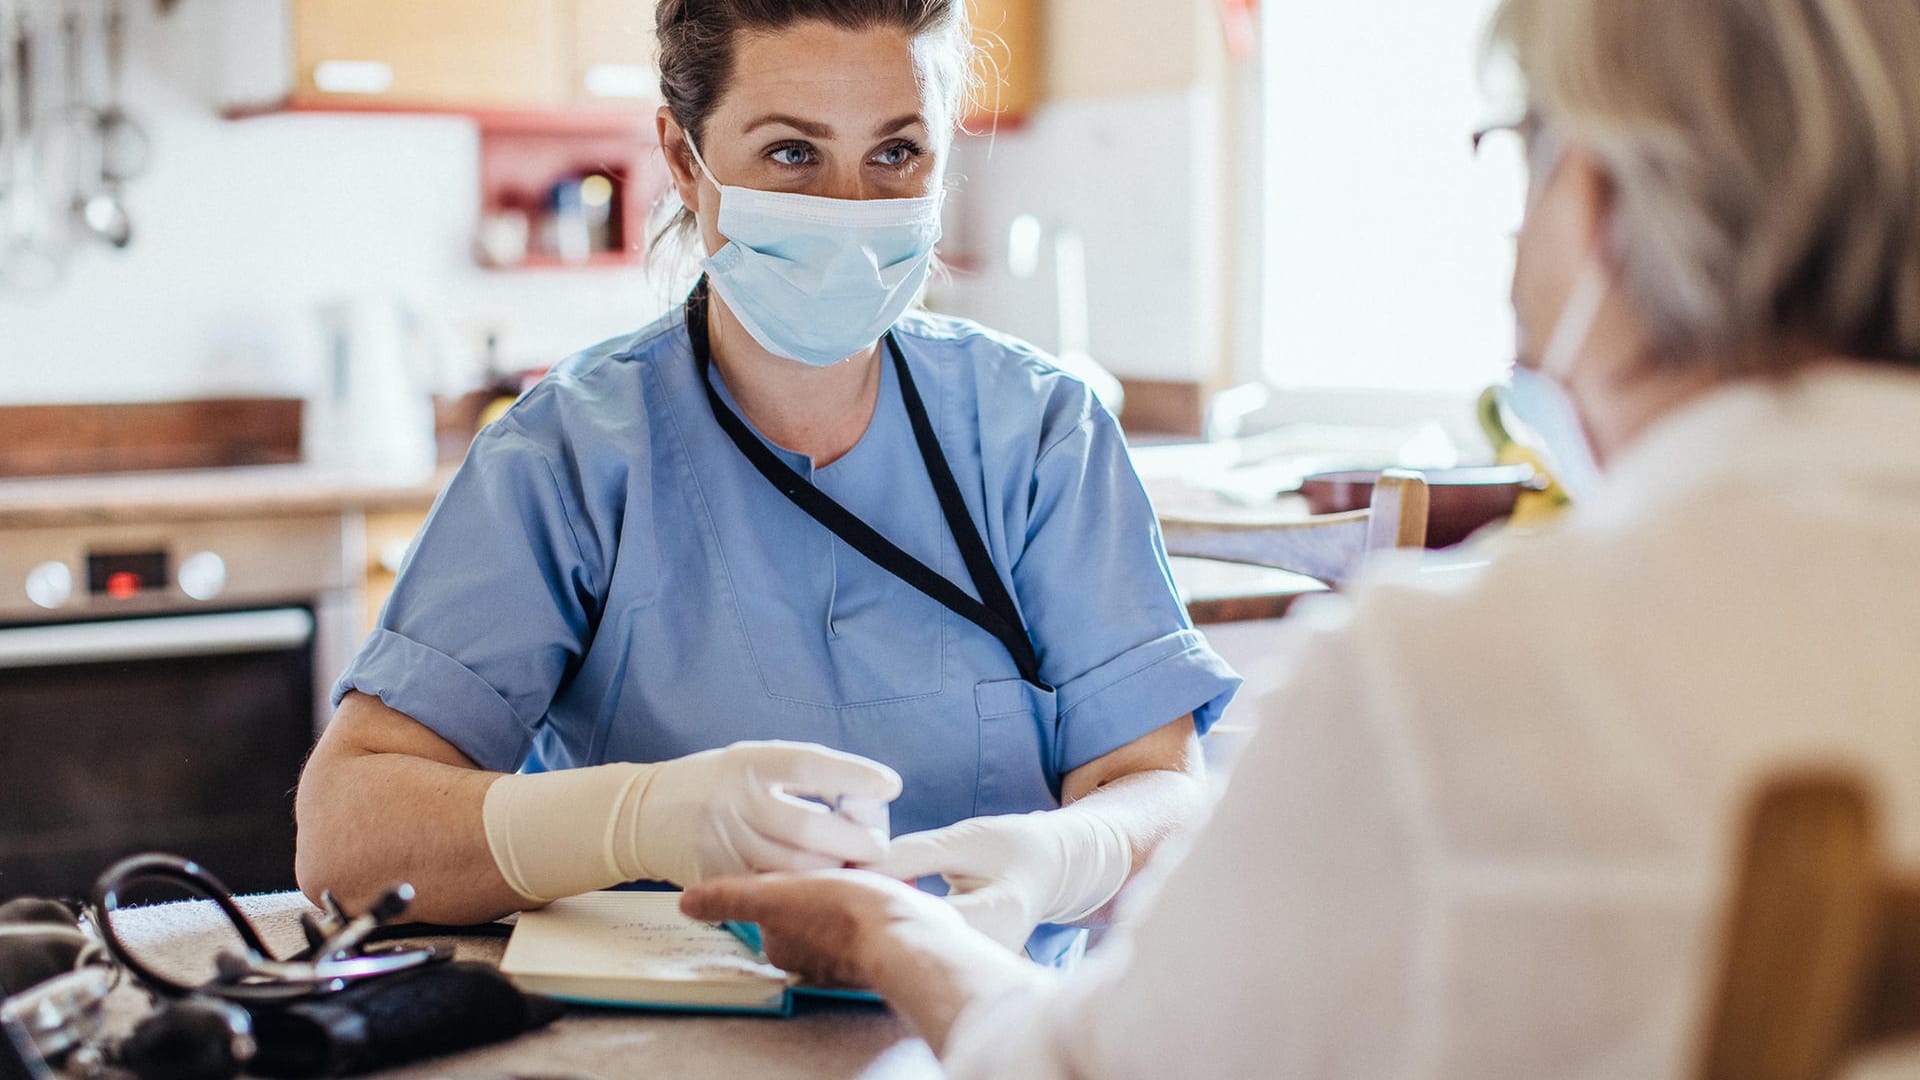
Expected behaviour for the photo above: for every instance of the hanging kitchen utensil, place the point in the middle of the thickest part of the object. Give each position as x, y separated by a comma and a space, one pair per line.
125, 148
32, 262
97, 204
8, 116
7, 110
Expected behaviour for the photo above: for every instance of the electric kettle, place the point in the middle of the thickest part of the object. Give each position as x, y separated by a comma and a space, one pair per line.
372, 414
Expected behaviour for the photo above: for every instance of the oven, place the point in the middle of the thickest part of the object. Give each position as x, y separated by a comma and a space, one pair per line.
160, 687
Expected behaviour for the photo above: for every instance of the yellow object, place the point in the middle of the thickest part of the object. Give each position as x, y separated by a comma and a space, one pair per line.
496, 409
1532, 508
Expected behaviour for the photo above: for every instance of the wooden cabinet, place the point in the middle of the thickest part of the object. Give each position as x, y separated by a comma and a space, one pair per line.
610, 60
519, 55
1118, 48
465, 53
389, 533
1011, 67
437, 55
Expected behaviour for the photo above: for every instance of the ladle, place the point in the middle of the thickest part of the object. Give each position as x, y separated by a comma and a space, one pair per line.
31, 263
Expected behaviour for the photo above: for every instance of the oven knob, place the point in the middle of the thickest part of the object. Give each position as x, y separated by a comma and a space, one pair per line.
50, 585
203, 576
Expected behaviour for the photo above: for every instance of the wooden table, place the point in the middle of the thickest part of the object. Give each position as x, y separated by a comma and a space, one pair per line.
823, 1039
1220, 592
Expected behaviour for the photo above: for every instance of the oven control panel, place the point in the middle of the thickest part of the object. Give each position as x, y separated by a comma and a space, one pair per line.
125, 575
66, 573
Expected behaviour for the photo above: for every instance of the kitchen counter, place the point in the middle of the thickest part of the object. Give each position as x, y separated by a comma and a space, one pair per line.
203, 494
1215, 592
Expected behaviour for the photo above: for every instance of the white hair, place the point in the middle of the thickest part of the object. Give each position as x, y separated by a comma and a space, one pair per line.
1765, 156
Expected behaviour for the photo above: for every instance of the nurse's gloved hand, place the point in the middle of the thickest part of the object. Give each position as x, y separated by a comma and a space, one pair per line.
734, 810
738, 810
1008, 874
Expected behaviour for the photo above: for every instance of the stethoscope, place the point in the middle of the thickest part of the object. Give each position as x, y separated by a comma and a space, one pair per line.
201, 1031
335, 959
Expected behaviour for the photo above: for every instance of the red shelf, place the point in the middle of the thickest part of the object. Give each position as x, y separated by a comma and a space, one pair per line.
599, 260
584, 120
581, 121
523, 151
519, 165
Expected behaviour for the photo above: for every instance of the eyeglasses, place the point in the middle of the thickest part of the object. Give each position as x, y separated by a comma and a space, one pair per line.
1510, 157
1529, 126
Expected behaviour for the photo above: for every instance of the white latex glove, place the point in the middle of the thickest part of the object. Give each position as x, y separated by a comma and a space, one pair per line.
1008, 874
734, 810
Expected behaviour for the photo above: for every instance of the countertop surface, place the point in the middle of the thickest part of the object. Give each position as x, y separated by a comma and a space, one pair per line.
822, 1040
203, 494
1215, 592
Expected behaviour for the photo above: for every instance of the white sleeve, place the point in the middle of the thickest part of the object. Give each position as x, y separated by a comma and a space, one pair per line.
1290, 940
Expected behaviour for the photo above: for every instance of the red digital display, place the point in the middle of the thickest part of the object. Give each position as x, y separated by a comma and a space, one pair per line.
125, 575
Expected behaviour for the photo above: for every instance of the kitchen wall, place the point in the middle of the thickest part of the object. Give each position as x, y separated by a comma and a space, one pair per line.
243, 227
1133, 177
1143, 148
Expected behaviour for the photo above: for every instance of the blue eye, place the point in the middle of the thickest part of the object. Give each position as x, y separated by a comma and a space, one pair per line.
898, 155
792, 155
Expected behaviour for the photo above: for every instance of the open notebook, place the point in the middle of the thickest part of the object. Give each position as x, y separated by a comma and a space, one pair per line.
635, 950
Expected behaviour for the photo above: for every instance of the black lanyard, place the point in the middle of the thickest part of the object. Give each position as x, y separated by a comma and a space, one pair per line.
997, 615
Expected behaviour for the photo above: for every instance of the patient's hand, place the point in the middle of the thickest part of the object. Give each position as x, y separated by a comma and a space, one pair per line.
831, 927
854, 928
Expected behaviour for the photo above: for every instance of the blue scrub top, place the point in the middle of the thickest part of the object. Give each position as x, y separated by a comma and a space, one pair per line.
607, 578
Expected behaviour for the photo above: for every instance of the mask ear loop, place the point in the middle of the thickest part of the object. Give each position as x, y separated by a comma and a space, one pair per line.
1575, 325
700, 161
1590, 290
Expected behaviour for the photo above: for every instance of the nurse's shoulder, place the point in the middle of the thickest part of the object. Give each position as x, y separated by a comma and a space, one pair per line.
597, 400
572, 450
1017, 389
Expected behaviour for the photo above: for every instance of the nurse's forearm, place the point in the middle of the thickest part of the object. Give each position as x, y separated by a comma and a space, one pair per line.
1144, 808
383, 800
1145, 791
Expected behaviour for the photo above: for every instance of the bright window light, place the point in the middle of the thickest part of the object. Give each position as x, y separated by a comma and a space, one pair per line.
1388, 242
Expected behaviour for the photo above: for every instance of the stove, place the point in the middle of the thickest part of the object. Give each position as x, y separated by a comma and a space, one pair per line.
160, 686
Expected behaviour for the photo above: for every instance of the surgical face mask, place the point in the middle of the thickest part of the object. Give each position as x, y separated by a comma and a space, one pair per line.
815, 279
1538, 397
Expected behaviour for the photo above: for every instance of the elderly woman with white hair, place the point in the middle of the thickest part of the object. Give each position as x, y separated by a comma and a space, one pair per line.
1488, 830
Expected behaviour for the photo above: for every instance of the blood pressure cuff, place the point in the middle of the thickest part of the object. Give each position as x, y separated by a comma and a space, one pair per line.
388, 1021
38, 940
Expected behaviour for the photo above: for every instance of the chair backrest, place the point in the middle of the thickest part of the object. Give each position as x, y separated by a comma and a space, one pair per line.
1820, 952
1329, 547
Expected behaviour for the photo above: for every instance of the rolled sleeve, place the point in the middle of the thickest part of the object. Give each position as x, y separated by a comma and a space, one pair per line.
1099, 599
492, 608
441, 693
1139, 691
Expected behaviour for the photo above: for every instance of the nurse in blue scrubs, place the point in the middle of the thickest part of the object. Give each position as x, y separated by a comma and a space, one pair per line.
794, 549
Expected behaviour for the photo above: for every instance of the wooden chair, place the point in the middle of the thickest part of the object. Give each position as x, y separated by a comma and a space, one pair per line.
1327, 547
1820, 956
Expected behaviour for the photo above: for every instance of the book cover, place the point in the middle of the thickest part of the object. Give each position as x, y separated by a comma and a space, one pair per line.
636, 950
